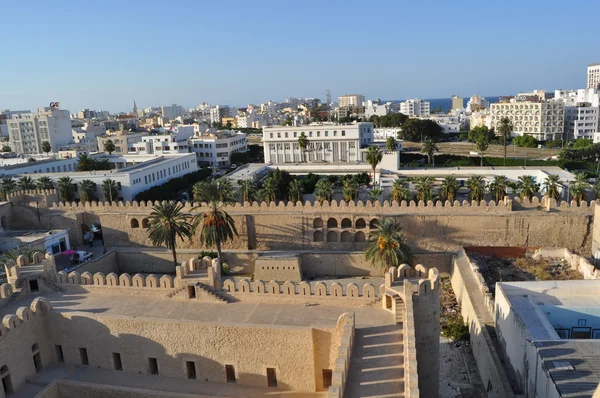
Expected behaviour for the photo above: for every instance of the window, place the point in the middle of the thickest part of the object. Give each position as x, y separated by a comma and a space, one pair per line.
190, 367
152, 366
310, 133
318, 133
295, 134
59, 353
271, 134
327, 375
230, 373
278, 135
286, 135
326, 134
343, 133
271, 377
117, 364
83, 356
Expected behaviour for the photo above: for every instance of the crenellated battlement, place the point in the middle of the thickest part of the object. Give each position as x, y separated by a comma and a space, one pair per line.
99, 279
24, 316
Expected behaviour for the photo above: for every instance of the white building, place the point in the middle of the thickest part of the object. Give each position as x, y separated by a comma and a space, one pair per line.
351, 101
593, 76
215, 149
415, 107
477, 103
481, 118
582, 111
542, 120
27, 131
170, 141
375, 108
326, 142
450, 124
219, 112
172, 111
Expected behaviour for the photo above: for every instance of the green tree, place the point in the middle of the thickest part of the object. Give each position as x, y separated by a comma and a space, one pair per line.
387, 247
218, 226
166, 223
400, 190
349, 190
87, 191
374, 156
247, 190
66, 189
424, 187
505, 129
110, 190
527, 187
581, 143
225, 187
482, 145
391, 144
480, 131
416, 130
525, 141
323, 190
476, 185
579, 187
85, 163
46, 147
296, 189
268, 191
6, 148
449, 188
25, 183
303, 144
109, 146
7, 185
552, 186
44, 183
429, 148
498, 187
374, 193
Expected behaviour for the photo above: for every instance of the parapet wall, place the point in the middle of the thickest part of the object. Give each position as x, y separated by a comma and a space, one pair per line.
127, 284
342, 341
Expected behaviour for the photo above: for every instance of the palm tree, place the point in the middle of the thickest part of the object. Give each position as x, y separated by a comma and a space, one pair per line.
295, 191
386, 247
476, 185
400, 190
166, 223
217, 225
66, 189
424, 188
498, 187
597, 190
504, 130
303, 144
109, 146
374, 193
85, 163
110, 190
482, 145
44, 183
349, 190
527, 187
87, 191
323, 190
374, 156
268, 192
551, 186
225, 187
247, 190
391, 144
578, 189
25, 183
449, 188
7, 185
429, 148
102, 164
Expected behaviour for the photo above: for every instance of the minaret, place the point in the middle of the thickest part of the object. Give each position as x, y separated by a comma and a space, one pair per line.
135, 108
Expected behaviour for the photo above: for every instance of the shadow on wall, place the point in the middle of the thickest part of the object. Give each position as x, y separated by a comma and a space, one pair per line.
133, 353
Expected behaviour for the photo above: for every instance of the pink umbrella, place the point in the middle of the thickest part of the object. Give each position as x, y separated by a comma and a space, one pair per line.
71, 251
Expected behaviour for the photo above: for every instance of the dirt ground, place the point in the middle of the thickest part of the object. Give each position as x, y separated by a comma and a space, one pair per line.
464, 148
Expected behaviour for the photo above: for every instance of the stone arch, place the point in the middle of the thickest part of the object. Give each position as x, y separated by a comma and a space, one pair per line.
134, 223
336, 289
373, 224
332, 236
318, 223
368, 290
359, 236
320, 289
125, 280
332, 223
145, 223
138, 281
273, 287
346, 223
244, 285
228, 285
24, 313
166, 282
152, 281
304, 289
360, 223
318, 236
87, 278
352, 289
99, 279
346, 236
112, 279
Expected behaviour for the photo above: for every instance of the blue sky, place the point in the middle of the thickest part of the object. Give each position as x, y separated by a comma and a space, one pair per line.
101, 55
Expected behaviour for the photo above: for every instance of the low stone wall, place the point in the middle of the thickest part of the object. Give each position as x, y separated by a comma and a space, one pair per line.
77, 389
411, 376
481, 285
344, 339
278, 267
6, 291
106, 264
576, 262
125, 283
476, 314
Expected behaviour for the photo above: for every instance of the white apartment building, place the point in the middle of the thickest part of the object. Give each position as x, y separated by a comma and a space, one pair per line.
582, 111
543, 120
214, 149
27, 131
376, 108
450, 124
218, 112
481, 118
246, 120
327, 142
477, 103
415, 108
171, 141
172, 111
351, 101
593, 76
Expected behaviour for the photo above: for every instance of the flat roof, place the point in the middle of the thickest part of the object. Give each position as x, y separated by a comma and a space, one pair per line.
10, 239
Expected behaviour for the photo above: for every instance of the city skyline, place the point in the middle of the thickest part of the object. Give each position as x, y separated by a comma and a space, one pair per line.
190, 53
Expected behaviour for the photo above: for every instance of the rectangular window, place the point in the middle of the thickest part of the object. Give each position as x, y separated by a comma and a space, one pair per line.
191, 369
295, 134
286, 135
83, 356
271, 377
327, 374
152, 366
59, 353
117, 364
230, 373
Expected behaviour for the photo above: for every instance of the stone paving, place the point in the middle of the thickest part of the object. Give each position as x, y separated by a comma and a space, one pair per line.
459, 377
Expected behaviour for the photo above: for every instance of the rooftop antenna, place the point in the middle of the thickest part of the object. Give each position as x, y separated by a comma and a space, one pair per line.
328, 95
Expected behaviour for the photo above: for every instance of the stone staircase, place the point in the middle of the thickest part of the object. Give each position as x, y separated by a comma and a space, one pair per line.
178, 293
208, 292
52, 285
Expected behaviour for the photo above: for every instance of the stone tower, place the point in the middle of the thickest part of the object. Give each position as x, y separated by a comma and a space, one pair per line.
135, 110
